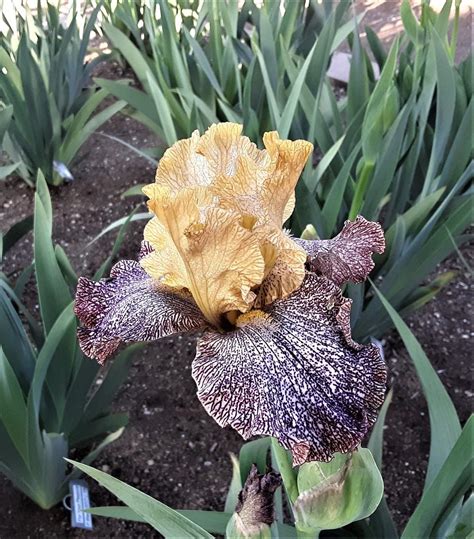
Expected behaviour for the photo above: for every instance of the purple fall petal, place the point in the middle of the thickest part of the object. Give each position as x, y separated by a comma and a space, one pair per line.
128, 307
294, 373
348, 256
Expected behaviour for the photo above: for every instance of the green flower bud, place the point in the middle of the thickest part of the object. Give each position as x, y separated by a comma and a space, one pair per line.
309, 233
336, 493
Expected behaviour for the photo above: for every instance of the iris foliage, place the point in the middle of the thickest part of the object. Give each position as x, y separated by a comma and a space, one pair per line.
52, 401
46, 104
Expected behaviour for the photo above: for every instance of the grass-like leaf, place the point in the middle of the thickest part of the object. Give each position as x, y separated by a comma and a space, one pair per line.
446, 490
165, 520
444, 421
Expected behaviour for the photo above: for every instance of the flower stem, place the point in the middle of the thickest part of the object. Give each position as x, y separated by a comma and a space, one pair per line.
314, 534
361, 188
285, 469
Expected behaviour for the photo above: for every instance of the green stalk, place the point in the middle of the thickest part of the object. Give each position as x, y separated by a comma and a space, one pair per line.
454, 36
286, 470
361, 187
313, 534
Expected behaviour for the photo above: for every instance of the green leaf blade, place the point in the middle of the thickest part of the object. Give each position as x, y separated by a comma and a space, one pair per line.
163, 519
444, 421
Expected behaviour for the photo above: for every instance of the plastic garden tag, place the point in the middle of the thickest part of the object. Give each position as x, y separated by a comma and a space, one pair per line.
79, 502
62, 170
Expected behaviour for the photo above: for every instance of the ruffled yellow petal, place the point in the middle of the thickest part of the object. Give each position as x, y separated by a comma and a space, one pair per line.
242, 192
220, 259
199, 160
288, 160
220, 203
182, 166
285, 272
222, 145
265, 186
290, 206
164, 263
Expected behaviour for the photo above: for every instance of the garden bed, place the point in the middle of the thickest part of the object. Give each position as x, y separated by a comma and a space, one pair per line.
172, 449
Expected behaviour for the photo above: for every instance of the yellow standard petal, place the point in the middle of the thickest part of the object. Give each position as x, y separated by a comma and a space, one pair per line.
206, 250
220, 203
223, 144
264, 186
199, 160
242, 192
164, 263
182, 166
285, 271
288, 160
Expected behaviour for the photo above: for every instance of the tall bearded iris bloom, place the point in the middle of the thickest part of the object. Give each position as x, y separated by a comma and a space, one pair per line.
275, 356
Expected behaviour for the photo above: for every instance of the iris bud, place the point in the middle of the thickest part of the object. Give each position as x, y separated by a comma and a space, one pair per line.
254, 513
334, 494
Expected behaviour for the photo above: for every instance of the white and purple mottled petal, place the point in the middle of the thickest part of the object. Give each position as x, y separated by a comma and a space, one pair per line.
294, 373
145, 249
348, 256
127, 307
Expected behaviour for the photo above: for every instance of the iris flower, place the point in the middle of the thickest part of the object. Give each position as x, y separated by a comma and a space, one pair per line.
275, 354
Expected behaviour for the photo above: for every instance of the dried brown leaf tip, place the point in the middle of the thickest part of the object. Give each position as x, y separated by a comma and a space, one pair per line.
276, 357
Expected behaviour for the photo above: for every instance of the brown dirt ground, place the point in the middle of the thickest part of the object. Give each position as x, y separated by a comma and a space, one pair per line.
172, 449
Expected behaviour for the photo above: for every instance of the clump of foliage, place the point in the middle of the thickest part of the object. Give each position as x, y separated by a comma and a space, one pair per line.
46, 104
400, 158
52, 400
227, 64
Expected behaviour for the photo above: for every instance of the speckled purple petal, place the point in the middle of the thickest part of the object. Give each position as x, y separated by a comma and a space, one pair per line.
129, 307
145, 249
294, 374
348, 256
